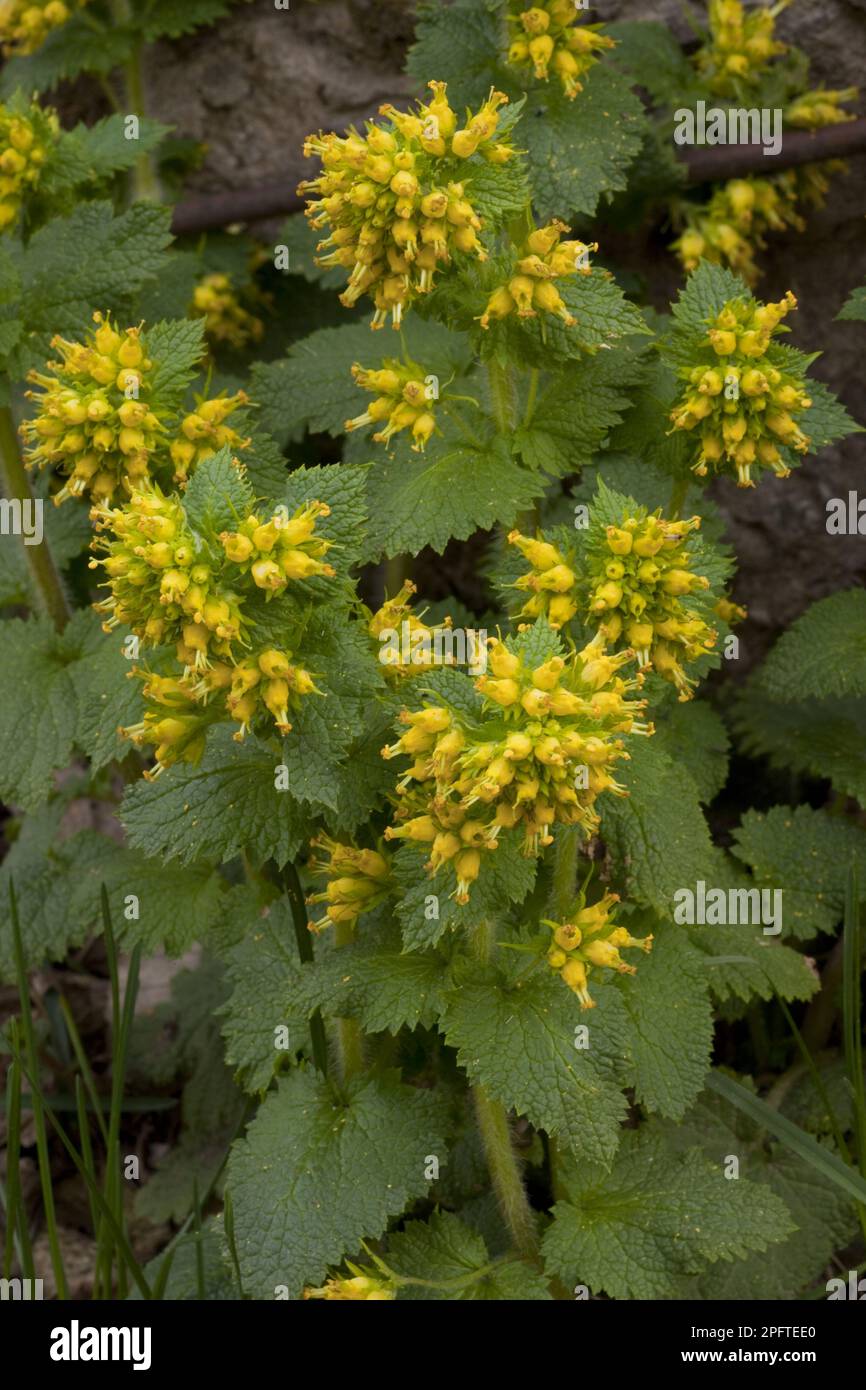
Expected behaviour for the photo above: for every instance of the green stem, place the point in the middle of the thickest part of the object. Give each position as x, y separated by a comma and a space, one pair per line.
531, 397
454, 414
47, 588
396, 574
565, 864
678, 496
501, 396
145, 179
495, 1134
295, 895
349, 1038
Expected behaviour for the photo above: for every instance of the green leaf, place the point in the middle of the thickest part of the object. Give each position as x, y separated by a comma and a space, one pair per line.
742, 963
604, 317
652, 57
312, 387
70, 49
671, 1021
375, 981
826, 420
822, 653
855, 305
40, 682
822, 738
89, 260
446, 493
88, 154
830, 1167
176, 347
445, 1251
806, 854
574, 415
519, 1044
218, 497
316, 1174
48, 933
264, 973
658, 833
427, 908
174, 18
656, 1217
462, 45
694, 734
825, 1219
580, 151
228, 803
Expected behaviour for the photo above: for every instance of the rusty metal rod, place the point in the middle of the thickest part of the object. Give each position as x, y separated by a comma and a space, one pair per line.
711, 163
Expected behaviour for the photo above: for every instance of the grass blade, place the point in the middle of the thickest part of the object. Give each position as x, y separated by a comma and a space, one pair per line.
38, 1113
851, 1013
15, 1212
797, 1140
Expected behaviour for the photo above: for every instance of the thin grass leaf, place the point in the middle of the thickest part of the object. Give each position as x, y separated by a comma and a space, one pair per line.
83, 1066
797, 1140
851, 1012
38, 1115
17, 1229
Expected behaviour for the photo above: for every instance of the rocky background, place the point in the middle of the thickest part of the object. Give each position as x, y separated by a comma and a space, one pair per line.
252, 89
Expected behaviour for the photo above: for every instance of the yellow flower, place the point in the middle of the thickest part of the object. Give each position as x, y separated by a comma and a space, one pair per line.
547, 37
590, 939
25, 24
405, 399
27, 135
530, 288
226, 320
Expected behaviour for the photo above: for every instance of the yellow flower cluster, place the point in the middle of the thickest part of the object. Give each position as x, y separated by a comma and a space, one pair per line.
357, 880
821, 107
743, 405
169, 586
25, 143
360, 1286
640, 579
406, 645
741, 45
543, 258
549, 738
225, 319
589, 940
203, 432
396, 198
95, 422
25, 24
404, 400
281, 549
547, 38
551, 582
732, 226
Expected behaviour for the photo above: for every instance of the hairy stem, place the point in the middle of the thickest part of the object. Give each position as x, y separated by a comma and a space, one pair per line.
145, 185
531, 397
501, 396
295, 895
47, 587
495, 1134
349, 1039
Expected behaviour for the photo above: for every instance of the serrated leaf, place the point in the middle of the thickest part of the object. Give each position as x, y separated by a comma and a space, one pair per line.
822, 653
264, 972
89, 154
218, 497
176, 347
227, 804
574, 415
694, 734
656, 1217
604, 318
579, 151
519, 1044
427, 908
444, 494
658, 833
671, 1020
174, 18
375, 981
807, 854
316, 1174
823, 738
742, 963
855, 305
68, 50
446, 1252
312, 387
